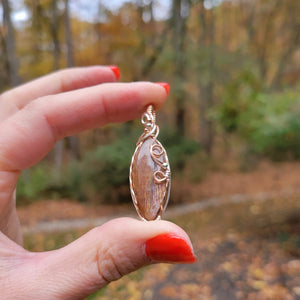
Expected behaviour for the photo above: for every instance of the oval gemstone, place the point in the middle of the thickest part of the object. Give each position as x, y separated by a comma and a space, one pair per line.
149, 196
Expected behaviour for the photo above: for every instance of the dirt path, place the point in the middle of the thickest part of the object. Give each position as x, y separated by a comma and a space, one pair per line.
172, 212
219, 187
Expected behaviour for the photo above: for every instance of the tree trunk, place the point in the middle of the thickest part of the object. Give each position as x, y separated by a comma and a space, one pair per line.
10, 44
4, 68
179, 25
206, 125
207, 39
58, 158
73, 141
69, 40
54, 27
54, 34
293, 23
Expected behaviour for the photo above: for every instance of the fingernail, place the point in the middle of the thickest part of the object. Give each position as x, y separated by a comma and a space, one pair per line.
169, 248
165, 85
116, 70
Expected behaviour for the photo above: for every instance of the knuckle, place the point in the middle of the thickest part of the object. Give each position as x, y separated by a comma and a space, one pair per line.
113, 263
35, 109
108, 265
33, 106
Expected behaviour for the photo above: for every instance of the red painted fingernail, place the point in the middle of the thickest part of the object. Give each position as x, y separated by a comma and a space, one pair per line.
116, 70
169, 248
165, 85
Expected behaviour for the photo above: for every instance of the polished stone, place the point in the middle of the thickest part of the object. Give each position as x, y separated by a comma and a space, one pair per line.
149, 197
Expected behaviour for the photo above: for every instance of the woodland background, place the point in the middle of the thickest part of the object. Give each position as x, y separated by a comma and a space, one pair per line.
233, 67
231, 129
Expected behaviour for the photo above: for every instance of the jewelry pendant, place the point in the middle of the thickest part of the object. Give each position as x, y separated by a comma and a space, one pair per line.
149, 175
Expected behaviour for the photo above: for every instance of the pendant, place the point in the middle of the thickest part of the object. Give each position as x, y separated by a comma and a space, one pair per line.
150, 175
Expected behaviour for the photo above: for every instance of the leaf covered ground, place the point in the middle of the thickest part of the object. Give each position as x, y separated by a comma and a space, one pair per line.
245, 251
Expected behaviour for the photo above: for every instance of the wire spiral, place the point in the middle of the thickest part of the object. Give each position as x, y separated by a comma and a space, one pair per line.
158, 153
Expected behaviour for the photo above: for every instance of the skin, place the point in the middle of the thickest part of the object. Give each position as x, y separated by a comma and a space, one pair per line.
32, 118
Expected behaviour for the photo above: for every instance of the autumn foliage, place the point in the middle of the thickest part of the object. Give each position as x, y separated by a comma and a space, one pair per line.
233, 67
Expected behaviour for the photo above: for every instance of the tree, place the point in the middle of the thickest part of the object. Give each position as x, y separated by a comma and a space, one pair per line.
273, 36
10, 44
153, 39
180, 13
206, 40
68, 34
292, 26
4, 70
54, 29
73, 141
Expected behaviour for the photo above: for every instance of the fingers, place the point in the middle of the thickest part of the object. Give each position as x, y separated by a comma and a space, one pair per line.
58, 82
105, 254
28, 135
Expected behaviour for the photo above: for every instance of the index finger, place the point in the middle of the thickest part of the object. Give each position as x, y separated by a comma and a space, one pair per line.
29, 135
55, 83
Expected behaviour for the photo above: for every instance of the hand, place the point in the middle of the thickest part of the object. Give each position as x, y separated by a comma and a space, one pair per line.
32, 118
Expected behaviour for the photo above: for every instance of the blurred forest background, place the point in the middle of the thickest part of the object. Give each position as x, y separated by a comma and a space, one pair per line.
231, 128
233, 67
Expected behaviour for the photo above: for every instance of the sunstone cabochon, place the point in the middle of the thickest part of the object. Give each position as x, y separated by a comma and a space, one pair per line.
149, 197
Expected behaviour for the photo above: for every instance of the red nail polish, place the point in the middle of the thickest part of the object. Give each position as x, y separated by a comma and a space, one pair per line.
116, 70
165, 85
169, 248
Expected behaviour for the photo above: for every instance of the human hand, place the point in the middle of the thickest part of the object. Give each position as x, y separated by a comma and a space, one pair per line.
32, 118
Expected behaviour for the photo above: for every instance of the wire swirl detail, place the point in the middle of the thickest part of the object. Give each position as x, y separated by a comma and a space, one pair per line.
158, 153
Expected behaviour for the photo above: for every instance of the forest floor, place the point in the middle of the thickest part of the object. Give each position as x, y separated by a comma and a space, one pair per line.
245, 228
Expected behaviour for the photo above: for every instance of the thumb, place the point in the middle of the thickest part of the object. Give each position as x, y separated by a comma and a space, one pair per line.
107, 253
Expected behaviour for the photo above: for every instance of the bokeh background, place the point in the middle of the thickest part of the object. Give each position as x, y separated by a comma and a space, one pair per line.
231, 129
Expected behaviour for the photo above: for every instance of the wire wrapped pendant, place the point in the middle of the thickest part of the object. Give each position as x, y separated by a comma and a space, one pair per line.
150, 175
